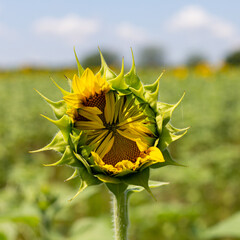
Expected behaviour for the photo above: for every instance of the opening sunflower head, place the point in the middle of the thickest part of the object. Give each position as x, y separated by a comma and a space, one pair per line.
117, 129
112, 127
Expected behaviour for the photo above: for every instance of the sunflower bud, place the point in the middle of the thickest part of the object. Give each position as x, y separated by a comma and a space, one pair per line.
112, 128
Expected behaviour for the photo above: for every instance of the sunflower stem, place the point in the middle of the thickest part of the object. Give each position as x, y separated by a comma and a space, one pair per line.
120, 215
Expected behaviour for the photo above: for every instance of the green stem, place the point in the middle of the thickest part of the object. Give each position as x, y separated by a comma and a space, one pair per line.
120, 215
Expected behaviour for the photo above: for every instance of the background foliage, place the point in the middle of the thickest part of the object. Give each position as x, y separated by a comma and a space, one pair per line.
201, 202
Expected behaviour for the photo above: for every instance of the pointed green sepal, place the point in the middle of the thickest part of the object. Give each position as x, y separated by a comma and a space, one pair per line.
59, 108
166, 110
66, 159
64, 92
83, 161
87, 179
74, 175
79, 66
107, 179
159, 122
57, 144
133, 81
151, 93
170, 134
64, 124
118, 83
82, 187
105, 70
70, 84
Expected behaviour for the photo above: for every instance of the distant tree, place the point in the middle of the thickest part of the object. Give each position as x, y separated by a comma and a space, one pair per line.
233, 58
195, 59
93, 59
152, 56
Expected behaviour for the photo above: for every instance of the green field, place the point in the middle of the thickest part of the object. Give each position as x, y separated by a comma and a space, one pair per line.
34, 198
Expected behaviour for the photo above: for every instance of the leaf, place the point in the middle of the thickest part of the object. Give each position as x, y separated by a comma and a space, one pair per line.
118, 83
133, 81
170, 134
105, 70
80, 68
108, 179
74, 175
64, 124
87, 179
151, 93
57, 144
166, 110
228, 228
64, 92
31, 220
66, 159
59, 108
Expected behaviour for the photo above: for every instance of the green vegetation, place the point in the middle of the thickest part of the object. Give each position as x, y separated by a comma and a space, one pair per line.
34, 199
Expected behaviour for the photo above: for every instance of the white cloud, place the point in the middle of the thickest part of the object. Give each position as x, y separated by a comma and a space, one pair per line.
195, 18
72, 27
129, 32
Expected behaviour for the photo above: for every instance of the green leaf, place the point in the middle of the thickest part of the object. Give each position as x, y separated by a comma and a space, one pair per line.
59, 108
151, 93
166, 110
170, 134
57, 144
228, 228
32, 220
105, 70
64, 124
80, 68
118, 83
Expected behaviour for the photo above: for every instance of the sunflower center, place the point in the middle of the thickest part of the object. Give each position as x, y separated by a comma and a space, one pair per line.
122, 149
111, 127
97, 100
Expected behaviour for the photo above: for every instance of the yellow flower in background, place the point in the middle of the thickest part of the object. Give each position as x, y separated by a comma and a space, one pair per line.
112, 128
203, 70
181, 72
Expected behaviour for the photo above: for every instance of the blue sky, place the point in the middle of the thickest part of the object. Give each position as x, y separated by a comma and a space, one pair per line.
44, 32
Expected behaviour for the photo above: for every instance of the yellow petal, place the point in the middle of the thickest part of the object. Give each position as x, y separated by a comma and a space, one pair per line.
89, 115
155, 154
73, 99
109, 108
105, 145
88, 125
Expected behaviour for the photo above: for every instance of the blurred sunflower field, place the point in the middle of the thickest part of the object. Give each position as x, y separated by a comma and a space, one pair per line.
201, 202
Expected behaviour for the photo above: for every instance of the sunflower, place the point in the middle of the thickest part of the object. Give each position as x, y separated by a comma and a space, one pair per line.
112, 128
117, 129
